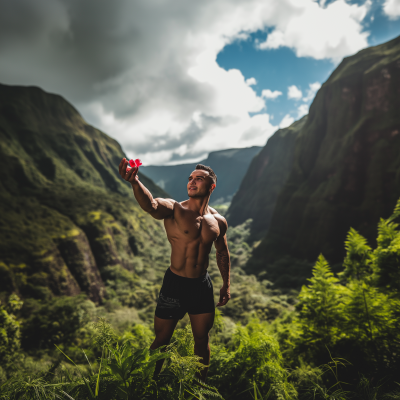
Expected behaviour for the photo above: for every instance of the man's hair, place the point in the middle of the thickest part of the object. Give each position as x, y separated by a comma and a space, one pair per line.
211, 173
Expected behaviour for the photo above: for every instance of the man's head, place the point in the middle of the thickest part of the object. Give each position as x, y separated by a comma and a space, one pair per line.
202, 181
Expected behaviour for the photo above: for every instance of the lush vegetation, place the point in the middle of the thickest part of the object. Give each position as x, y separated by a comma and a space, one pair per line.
340, 339
61, 192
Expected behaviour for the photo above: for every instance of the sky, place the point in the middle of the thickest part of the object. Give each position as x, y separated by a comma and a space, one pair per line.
172, 80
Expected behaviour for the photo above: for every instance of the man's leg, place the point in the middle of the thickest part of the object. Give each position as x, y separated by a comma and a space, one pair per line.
201, 326
163, 328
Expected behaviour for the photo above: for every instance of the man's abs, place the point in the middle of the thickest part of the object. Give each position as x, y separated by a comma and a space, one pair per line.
189, 260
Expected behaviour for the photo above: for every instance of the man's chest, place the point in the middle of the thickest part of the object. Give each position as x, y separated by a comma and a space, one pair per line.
188, 227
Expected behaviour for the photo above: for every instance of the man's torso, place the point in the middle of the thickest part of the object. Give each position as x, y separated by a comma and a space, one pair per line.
191, 237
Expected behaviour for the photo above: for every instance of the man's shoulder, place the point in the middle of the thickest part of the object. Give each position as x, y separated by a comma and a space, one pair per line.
221, 220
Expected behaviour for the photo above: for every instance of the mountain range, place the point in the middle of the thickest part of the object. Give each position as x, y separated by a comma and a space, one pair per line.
68, 221
337, 168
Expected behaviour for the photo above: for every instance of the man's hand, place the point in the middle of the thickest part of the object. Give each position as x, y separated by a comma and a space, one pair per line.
131, 175
224, 296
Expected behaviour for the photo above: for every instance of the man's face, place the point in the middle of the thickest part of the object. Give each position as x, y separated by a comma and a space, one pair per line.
199, 184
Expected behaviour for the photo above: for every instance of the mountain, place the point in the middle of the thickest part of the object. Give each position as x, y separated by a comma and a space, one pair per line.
68, 221
345, 170
264, 179
230, 166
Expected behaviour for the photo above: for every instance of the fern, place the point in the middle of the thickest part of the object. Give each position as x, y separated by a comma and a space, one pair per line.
357, 263
396, 212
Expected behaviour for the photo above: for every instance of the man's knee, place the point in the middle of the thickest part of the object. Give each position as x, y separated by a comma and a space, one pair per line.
161, 339
201, 340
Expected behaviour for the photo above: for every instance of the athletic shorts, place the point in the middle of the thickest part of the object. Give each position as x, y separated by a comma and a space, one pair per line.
180, 295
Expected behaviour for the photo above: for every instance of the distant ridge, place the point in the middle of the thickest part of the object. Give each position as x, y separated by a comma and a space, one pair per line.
230, 165
264, 180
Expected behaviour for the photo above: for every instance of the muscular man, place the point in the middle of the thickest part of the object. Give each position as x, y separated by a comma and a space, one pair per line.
192, 227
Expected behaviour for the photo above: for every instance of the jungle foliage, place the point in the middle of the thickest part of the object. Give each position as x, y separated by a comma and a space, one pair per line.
340, 340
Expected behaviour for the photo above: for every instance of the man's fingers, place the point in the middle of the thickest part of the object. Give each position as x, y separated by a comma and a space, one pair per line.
226, 299
133, 172
120, 165
129, 174
223, 301
124, 166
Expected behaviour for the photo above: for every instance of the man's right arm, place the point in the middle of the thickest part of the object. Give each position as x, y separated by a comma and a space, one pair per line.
158, 208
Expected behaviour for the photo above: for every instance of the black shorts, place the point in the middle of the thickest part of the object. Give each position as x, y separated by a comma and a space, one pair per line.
180, 295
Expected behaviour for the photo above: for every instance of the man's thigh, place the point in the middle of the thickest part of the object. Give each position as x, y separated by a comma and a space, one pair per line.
164, 328
201, 325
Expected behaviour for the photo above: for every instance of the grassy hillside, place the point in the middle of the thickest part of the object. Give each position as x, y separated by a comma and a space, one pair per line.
346, 166
230, 166
68, 221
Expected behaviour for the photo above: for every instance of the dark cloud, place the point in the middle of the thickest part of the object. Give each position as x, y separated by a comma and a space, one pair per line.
96, 50
190, 136
126, 66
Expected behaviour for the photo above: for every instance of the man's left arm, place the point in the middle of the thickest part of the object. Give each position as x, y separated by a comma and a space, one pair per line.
223, 262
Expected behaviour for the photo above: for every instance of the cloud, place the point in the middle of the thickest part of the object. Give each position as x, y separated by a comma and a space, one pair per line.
294, 93
145, 72
260, 128
302, 110
313, 89
251, 81
197, 128
268, 94
315, 30
287, 120
392, 9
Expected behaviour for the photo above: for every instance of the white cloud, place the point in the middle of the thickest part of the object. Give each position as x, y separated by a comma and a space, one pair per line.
313, 89
251, 81
287, 120
294, 93
269, 94
302, 110
313, 30
392, 8
145, 72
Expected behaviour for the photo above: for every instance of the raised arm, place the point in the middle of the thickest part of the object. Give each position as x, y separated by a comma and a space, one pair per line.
223, 262
158, 208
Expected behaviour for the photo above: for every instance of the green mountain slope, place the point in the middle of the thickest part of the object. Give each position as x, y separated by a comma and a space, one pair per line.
230, 166
68, 221
346, 168
264, 179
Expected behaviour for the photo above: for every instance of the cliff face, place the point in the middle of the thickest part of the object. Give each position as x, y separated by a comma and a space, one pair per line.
346, 166
230, 166
264, 179
66, 215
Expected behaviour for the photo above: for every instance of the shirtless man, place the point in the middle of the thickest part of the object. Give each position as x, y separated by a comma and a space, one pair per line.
192, 227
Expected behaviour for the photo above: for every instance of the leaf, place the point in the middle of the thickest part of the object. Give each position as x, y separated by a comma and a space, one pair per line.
98, 375
116, 371
84, 379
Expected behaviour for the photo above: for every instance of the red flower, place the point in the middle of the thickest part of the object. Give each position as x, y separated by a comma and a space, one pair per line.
134, 164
